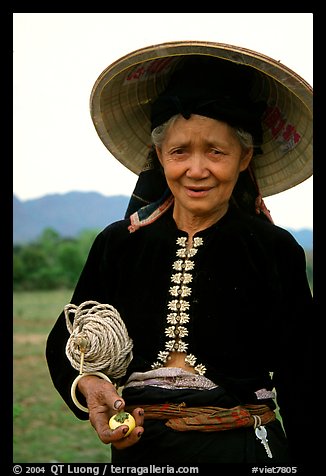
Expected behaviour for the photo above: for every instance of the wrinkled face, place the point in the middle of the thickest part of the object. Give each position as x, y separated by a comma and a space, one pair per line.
202, 159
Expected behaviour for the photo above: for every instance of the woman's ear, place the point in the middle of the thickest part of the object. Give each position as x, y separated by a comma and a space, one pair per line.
246, 158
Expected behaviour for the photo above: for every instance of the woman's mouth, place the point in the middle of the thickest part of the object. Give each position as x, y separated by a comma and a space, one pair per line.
197, 192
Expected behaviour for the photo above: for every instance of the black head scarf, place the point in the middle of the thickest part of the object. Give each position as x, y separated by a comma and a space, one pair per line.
213, 88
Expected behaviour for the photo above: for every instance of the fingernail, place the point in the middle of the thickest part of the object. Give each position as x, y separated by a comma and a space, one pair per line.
141, 413
125, 430
117, 404
139, 434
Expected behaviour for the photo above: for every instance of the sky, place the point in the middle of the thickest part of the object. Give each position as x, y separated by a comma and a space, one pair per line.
57, 58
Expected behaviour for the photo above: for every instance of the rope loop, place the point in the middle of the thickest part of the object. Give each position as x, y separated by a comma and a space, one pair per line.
99, 336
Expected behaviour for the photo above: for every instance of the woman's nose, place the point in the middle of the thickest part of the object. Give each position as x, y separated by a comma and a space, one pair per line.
197, 168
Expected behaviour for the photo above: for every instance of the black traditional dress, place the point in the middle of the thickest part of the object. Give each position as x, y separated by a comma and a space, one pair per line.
237, 303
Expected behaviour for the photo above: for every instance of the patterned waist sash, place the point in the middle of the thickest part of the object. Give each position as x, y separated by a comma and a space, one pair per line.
183, 418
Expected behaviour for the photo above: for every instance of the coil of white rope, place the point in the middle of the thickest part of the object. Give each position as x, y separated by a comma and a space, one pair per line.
98, 340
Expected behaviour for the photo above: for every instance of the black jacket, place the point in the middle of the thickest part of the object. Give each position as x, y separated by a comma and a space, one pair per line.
250, 307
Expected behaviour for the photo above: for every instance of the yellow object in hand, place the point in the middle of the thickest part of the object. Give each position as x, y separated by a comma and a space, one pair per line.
122, 418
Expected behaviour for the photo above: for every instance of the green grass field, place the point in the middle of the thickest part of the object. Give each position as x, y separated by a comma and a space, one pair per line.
44, 429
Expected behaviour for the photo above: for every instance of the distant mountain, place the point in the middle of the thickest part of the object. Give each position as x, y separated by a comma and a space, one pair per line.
304, 237
68, 214
73, 212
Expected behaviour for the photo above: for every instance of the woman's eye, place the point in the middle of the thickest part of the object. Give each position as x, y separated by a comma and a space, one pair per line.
178, 152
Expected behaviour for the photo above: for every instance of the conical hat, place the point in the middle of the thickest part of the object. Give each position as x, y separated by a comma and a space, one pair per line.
122, 94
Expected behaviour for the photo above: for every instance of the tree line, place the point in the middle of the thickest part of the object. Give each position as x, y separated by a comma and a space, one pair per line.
55, 262
51, 261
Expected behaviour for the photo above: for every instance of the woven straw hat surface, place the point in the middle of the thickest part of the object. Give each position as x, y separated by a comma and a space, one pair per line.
121, 97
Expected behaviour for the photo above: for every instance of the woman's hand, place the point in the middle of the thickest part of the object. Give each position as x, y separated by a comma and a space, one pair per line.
103, 402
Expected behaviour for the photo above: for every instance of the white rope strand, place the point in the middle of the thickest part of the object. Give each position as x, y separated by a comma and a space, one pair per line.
100, 337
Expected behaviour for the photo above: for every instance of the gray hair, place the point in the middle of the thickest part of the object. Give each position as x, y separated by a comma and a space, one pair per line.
158, 134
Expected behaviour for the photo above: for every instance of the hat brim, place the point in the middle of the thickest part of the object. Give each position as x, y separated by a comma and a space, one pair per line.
121, 97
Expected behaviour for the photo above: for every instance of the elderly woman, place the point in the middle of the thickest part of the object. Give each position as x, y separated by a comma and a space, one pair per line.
209, 298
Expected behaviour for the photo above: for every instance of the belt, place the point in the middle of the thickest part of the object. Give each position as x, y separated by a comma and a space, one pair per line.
183, 418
